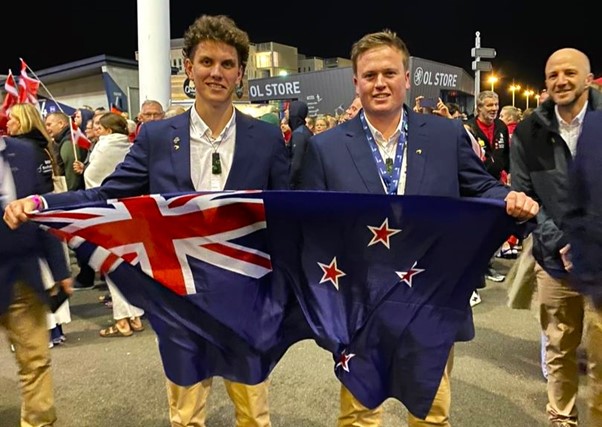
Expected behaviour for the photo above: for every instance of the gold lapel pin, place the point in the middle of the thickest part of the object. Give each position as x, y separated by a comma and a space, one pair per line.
419, 151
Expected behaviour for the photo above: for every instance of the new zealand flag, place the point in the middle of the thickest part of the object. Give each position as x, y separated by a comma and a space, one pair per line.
230, 280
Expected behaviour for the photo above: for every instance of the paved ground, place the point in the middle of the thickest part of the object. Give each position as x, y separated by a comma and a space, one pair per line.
119, 382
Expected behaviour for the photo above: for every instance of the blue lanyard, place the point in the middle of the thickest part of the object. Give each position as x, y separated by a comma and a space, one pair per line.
389, 169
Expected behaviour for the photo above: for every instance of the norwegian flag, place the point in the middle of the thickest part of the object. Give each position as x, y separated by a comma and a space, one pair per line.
12, 93
28, 86
230, 280
78, 137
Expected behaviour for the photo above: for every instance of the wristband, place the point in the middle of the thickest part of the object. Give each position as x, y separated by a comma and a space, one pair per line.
38, 202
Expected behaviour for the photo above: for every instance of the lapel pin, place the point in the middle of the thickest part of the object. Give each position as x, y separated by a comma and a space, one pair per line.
176, 143
419, 151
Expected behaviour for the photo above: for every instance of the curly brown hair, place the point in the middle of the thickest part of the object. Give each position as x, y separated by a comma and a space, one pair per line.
218, 28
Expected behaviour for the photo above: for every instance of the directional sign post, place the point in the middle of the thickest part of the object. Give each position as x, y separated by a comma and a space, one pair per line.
479, 52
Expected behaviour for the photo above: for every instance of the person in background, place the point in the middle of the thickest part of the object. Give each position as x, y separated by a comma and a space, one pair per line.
66, 153
25, 124
214, 148
150, 110
297, 114
310, 122
23, 300
174, 110
109, 151
510, 115
321, 125
386, 132
492, 135
543, 146
353, 109
286, 130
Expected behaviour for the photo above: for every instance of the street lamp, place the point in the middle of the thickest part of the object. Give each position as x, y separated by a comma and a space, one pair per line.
527, 94
493, 80
514, 88
537, 98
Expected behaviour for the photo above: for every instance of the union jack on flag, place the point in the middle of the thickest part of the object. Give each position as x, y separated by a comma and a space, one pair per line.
165, 235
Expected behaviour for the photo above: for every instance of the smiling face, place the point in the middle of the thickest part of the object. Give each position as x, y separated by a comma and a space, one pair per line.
215, 70
381, 81
568, 78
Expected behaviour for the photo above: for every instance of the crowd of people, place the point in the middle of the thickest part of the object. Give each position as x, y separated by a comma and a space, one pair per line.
378, 146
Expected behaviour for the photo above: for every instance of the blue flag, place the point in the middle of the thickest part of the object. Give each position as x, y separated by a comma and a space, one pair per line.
230, 280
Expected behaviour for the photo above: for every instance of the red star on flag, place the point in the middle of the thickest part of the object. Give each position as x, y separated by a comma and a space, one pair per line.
407, 276
382, 233
344, 359
331, 273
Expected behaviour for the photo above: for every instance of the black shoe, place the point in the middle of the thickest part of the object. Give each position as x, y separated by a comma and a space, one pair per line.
80, 286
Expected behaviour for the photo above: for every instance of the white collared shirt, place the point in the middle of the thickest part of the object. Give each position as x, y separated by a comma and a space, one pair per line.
202, 147
388, 149
570, 131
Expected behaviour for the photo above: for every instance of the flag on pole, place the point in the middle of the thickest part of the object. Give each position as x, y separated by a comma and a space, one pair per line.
78, 137
12, 93
28, 86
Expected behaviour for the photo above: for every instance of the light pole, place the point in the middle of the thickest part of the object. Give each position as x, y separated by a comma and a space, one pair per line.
537, 98
527, 94
493, 80
513, 89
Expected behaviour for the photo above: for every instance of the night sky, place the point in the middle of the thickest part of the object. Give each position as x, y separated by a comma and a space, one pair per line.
53, 33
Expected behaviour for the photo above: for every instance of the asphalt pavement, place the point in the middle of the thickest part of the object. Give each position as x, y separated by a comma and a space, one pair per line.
119, 382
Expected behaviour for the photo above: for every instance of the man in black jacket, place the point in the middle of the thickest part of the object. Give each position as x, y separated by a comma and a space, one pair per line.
542, 149
297, 112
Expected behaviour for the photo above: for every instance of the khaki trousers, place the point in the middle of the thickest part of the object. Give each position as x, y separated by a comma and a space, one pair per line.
354, 414
561, 316
187, 405
25, 323
593, 345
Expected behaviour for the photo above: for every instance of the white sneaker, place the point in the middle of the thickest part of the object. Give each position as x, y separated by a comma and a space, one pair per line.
475, 299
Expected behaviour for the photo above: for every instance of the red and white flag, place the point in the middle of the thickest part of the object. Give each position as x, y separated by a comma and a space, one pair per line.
78, 137
28, 86
12, 93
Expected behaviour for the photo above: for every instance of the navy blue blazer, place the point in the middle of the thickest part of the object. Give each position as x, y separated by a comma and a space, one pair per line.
159, 162
21, 249
441, 161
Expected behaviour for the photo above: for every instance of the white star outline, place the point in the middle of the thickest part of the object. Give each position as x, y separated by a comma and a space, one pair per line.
383, 227
344, 359
408, 276
326, 277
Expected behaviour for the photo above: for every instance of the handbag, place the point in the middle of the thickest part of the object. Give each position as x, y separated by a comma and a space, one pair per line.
59, 181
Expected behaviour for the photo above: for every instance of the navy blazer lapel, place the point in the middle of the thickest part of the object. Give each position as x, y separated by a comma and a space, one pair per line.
358, 147
417, 152
179, 140
243, 152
